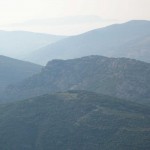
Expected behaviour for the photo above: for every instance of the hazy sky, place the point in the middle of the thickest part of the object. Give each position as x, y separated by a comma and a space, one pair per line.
15, 14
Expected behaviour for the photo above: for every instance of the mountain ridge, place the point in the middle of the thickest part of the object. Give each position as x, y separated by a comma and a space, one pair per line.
108, 41
119, 77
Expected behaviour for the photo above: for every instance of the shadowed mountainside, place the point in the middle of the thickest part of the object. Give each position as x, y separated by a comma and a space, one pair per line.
13, 70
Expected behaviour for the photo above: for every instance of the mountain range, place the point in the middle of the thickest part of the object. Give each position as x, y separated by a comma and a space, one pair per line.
80, 100
131, 39
74, 120
119, 77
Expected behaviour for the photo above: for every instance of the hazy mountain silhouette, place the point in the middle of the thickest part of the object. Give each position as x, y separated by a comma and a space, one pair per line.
129, 39
20, 43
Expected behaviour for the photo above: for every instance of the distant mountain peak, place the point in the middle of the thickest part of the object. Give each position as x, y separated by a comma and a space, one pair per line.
138, 21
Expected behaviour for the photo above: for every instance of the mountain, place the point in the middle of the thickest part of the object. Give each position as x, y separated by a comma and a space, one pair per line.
13, 70
129, 39
20, 43
74, 120
118, 77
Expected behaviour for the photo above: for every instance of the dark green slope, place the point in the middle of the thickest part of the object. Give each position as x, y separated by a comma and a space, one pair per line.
118, 77
75, 120
13, 70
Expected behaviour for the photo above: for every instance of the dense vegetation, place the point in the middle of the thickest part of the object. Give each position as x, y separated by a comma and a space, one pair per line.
75, 120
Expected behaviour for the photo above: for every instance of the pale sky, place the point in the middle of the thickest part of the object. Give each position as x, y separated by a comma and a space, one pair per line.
16, 14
